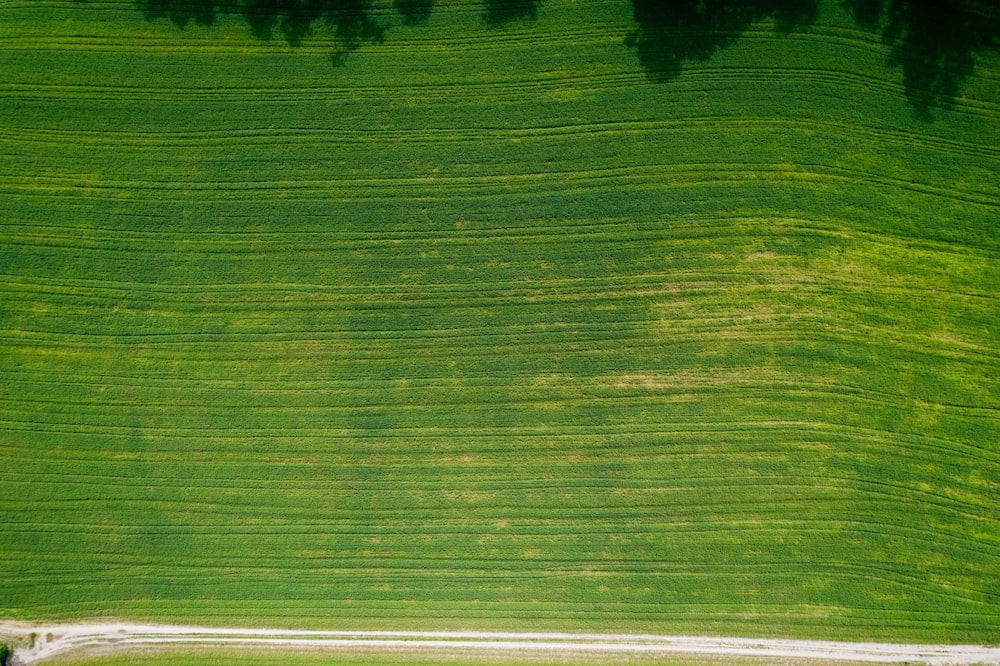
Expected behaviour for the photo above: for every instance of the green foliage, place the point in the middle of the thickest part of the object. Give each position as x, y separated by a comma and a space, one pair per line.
4, 654
487, 329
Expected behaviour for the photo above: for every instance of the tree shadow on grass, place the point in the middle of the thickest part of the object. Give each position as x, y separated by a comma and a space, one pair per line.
933, 41
866, 13
414, 12
180, 12
501, 12
672, 31
350, 21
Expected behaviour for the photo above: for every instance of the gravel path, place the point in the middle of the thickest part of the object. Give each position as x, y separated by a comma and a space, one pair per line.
51, 640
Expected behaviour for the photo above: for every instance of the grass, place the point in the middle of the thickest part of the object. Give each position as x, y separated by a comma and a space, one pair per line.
485, 326
265, 657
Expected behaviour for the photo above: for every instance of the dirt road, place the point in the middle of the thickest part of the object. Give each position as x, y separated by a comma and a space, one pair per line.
52, 640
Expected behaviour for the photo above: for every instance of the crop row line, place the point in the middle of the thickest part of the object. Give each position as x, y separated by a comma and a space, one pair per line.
634, 175
436, 136
277, 297
826, 330
456, 91
666, 382
502, 433
560, 497
412, 402
542, 569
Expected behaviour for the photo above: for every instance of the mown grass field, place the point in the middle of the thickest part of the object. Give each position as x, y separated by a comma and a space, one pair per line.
267, 657
222, 657
489, 323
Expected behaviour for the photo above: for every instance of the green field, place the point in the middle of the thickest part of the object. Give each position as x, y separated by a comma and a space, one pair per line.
567, 315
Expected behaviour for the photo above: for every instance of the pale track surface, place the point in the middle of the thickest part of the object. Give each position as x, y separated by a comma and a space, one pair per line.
57, 639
